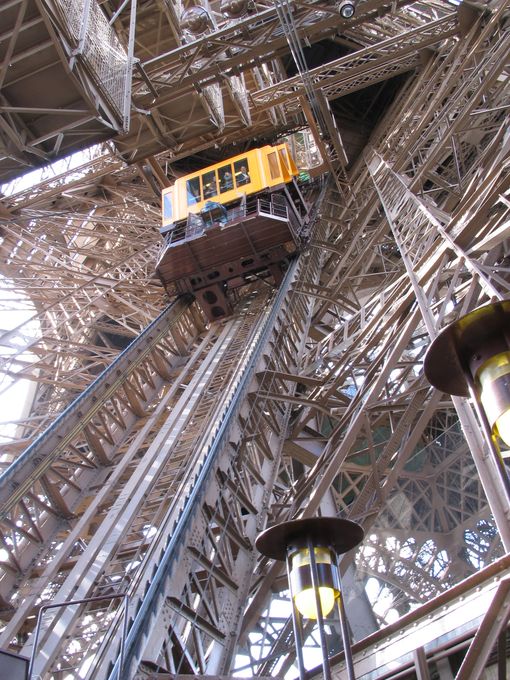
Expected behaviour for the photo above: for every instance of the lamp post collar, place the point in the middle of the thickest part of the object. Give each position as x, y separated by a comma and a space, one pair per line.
330, 532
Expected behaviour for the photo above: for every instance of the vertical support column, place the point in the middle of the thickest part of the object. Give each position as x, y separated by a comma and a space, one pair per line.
129, 68
420, 664
397, 199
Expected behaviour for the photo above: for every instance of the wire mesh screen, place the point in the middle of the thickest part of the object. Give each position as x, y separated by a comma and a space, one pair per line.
240, 97
99, 50
106, 57
72, 12
214, 100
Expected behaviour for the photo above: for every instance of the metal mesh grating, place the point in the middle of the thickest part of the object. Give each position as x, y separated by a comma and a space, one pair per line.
100, 51
214, 100
106, 58
240, 97
73, 12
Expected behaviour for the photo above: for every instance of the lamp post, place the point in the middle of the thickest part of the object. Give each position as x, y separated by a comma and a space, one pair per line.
310, 548
471, 357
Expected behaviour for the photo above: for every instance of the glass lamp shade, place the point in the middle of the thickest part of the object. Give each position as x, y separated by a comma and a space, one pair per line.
234, 8
301, 582
493, 381
195, 19
346, 9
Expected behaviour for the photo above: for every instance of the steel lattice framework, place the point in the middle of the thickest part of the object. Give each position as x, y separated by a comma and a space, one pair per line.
155, 446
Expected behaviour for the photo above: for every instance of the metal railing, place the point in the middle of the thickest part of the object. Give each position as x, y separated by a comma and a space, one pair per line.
196, 225
87, 600
276, 206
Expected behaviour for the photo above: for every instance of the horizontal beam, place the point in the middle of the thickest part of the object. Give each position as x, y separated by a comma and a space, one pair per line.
459, 611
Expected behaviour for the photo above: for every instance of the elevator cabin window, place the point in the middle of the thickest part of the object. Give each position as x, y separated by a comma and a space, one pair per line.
167, 207
274, 168
242, 172
209, 184
193, 190
285, 161
226, 178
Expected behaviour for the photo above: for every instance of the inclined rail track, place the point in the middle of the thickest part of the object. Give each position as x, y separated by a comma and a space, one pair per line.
138, 514
50, 488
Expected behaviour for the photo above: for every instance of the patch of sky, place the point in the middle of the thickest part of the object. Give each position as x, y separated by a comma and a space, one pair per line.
77, 162
19, 328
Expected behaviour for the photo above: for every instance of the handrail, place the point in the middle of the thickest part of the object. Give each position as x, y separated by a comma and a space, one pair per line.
276, 205
70, 603
436, 606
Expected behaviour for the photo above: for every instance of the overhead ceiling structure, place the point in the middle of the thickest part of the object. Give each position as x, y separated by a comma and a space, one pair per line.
65, 79
153, 446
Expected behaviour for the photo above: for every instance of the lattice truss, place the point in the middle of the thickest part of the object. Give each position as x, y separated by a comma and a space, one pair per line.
380, 457
65, 79
156, 481
190, 87
65, 253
